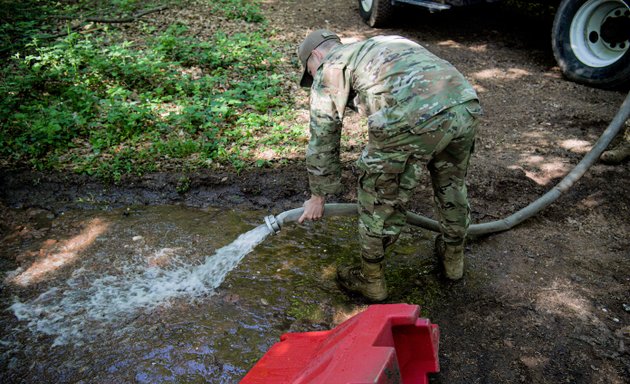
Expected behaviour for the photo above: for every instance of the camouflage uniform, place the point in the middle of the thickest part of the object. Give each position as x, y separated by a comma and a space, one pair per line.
420, 111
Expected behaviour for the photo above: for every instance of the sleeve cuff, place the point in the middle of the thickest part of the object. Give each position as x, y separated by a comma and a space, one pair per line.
324, 186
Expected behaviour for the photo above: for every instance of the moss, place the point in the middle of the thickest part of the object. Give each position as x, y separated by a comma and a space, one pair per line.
301, 311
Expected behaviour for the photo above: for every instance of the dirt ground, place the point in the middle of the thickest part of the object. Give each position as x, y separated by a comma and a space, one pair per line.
551, 302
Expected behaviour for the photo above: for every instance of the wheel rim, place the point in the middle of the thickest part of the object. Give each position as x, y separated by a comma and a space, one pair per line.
366, 5
585, 33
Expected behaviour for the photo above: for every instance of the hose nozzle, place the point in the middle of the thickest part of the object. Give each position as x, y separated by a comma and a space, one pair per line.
272, 224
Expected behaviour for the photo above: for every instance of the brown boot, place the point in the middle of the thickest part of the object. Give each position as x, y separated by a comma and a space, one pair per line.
368, 279
617, 154
451, 257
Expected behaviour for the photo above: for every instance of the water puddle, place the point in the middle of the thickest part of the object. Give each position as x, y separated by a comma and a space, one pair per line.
172, 294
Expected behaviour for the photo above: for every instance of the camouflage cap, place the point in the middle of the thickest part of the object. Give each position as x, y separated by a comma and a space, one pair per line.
312, 41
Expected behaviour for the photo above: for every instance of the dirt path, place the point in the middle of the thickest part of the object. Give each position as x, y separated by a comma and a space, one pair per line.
545, 302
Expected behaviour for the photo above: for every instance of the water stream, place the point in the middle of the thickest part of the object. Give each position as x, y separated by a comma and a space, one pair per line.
85, 299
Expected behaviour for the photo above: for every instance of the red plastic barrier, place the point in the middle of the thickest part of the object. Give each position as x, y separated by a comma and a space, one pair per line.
386, 343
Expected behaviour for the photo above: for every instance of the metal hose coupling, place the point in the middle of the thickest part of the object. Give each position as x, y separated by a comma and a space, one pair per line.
272, 224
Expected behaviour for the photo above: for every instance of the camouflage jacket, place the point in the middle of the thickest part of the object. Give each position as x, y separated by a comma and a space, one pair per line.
396, 82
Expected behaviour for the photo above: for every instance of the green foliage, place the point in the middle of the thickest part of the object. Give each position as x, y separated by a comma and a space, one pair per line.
125, 5
247, 10
243, 51
99, 104
22, 21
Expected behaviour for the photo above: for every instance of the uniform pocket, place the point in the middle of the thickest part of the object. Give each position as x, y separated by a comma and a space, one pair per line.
376, 189
386, 187
441, 122
367, 192
382, 162
377, 127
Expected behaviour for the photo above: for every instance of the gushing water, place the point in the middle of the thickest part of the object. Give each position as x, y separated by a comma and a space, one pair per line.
75, 313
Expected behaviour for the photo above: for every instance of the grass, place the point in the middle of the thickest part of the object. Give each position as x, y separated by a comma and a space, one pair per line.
109, 101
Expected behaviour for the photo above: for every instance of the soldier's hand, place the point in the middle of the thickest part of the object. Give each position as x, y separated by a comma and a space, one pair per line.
313, 208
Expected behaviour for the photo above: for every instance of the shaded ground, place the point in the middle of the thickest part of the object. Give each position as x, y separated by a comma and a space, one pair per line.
545, 302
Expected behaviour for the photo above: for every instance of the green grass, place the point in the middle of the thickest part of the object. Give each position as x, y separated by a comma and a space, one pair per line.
109, 103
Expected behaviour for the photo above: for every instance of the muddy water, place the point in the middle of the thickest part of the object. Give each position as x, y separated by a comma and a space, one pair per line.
168, 294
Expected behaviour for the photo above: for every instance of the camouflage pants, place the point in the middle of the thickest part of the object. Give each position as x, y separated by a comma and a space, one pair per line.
392, 167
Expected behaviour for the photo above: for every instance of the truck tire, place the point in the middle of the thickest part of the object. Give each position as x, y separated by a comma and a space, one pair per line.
376, 13
591, 42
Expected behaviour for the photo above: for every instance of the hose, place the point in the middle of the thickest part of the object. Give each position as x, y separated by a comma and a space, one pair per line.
275, 223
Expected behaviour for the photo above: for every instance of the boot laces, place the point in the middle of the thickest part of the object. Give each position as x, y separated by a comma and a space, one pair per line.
357, 273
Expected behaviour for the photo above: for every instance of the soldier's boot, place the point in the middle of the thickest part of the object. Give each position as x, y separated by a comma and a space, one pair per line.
451, 257
367, 279
617, 154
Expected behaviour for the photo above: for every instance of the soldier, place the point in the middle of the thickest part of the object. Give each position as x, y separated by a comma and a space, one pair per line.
421, 112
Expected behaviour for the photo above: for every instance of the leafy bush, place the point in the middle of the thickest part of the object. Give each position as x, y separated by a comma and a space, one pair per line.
100, 104
240, 10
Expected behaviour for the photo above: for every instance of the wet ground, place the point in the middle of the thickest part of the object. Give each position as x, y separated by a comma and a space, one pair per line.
117, 295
